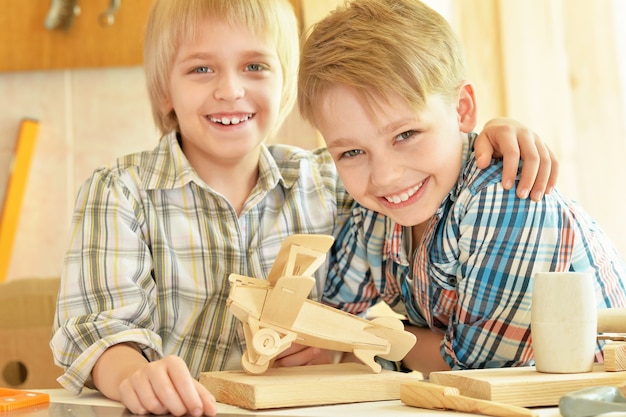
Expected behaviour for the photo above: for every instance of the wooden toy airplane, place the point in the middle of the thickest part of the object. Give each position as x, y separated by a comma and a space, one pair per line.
276, 312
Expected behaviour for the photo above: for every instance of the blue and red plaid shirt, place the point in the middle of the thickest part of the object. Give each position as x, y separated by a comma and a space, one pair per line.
471, 276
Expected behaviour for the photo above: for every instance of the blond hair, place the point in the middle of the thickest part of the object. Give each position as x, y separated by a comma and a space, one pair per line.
172, 21
380, 47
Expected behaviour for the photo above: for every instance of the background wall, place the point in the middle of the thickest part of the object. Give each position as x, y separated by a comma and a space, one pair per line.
560, 70
559, 66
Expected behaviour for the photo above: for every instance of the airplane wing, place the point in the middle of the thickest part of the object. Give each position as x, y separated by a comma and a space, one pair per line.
300, 255
284, 302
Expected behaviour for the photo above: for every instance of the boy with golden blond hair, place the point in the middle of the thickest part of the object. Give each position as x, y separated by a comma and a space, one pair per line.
433, 234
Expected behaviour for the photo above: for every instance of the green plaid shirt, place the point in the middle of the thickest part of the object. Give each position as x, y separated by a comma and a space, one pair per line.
152, 246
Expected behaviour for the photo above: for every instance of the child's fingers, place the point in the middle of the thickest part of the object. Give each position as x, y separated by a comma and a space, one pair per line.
508, 145
137, 394
536, 179
484, 151
209, 405
301, 357
131, 401
291, 350
183, 397
519, 145
554, 172
163, 387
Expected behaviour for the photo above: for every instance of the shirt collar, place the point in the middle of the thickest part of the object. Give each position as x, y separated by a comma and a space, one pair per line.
468, 154
167, 167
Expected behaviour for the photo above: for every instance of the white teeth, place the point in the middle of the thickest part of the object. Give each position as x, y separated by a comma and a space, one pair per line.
398, 198
231, 120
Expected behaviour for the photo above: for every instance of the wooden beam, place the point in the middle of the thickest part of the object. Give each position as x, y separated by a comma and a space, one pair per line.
301, 386
615, 356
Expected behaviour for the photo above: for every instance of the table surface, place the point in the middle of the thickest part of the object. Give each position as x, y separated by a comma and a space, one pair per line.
92, 403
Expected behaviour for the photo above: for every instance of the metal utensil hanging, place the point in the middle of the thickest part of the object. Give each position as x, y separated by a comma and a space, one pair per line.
62, 13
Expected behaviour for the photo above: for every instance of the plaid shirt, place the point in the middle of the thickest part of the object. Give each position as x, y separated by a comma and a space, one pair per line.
152, 247
471, 275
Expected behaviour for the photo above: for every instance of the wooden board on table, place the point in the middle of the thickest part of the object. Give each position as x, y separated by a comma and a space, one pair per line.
305, 386
615, 356
524, 386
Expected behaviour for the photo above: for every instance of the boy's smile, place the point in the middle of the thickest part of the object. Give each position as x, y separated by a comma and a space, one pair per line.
396, 160
406, 197
230, 119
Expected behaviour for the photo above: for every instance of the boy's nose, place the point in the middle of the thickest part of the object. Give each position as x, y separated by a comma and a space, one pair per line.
229, 87
383, 171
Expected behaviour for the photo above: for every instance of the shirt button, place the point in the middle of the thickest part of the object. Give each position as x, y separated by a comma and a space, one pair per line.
452, 281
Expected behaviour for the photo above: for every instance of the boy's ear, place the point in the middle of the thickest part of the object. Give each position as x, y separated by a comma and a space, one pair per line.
166, 105
466, 108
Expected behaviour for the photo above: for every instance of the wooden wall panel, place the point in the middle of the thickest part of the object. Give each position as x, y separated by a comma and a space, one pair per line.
595, 75
553, 65
477, 22
25, 44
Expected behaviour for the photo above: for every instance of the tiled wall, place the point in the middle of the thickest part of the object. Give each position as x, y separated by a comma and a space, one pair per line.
87, 117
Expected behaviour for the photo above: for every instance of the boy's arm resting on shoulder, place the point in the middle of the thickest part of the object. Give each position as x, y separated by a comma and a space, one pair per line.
510, 140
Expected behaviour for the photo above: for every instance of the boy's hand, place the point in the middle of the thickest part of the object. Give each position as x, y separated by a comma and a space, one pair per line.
510, 140
160, 387
166, 387
300, 355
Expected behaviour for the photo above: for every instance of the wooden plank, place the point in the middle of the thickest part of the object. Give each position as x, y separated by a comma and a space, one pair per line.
15, 191
305, 386
615, 356
524, 386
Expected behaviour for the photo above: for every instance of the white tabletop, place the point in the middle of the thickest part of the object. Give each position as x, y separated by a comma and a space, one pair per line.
366, 409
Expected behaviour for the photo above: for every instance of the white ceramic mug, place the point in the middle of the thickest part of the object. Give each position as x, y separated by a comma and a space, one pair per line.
564, 322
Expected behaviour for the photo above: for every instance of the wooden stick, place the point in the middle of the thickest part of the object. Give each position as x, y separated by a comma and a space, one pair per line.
612, 320
431, 396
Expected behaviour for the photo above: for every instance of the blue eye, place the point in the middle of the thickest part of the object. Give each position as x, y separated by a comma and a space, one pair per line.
405, 135
255, 67
352, 153
202, 70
